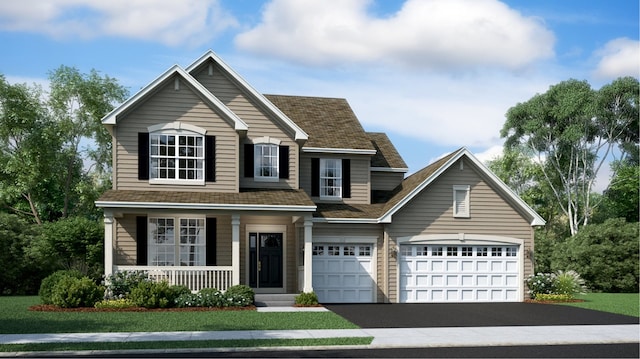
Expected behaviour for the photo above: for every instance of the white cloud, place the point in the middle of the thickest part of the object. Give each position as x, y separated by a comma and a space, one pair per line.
190, 22
489, 154
619, 57
423, 33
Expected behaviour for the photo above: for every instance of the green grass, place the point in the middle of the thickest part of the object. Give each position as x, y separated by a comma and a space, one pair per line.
619, 303
15, 318
239, 343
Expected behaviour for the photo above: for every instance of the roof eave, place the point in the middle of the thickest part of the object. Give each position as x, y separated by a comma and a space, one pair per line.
205, 206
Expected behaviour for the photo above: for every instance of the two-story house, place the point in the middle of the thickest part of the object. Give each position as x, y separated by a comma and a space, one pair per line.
216, 184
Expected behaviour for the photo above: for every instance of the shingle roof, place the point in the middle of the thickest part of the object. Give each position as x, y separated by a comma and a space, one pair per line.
386, 153
256, 197
329, 122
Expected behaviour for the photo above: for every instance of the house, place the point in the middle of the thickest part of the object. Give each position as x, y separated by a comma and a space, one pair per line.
216, 184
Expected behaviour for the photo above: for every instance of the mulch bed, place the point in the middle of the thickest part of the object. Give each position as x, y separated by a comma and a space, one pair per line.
54, 308
554, 301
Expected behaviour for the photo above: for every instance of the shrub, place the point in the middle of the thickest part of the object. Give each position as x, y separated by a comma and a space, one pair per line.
554, 297
239, 296
47, 285
72, 292
119, 284
179, 290
153, 295
115, 304
569, 283
305, 299
541, 283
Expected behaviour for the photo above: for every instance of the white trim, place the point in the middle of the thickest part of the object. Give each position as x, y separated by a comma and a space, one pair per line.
180, 182
111, 117
460, 239
346, 220
345, 239
177, 126
300, 135
206, 206
264, 140
344, 151
388, 169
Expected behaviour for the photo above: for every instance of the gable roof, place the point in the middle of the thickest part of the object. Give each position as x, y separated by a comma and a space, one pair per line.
299, 133
112, 117
387, 156
330, 123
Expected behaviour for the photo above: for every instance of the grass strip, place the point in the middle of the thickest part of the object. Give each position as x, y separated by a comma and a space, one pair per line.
196, 344
619, 303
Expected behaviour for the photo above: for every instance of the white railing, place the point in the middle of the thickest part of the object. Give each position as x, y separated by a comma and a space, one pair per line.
195, 278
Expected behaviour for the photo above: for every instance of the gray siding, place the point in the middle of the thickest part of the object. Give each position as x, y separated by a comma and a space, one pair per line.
166, 106
360, 177
385, 181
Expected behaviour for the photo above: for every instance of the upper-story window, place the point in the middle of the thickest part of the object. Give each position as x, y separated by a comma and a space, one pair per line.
265, 161
176, 153
330, 178
461, 201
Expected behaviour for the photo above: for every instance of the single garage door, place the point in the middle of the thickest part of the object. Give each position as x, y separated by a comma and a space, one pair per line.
343, 273
455, 273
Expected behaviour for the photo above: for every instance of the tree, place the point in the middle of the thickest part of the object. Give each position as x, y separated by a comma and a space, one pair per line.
572, 131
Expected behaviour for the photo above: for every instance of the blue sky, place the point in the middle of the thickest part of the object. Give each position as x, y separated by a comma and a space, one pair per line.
434, 75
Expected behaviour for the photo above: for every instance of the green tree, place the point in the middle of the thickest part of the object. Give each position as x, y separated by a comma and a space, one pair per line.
19, 273
622, 198
572, 131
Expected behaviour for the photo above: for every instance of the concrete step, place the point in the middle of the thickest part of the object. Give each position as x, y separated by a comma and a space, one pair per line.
275, 300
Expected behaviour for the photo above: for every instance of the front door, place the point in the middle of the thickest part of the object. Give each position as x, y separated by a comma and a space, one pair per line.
265, 260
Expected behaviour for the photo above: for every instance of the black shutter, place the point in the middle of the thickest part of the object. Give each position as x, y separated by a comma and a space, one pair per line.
141, 240
346, 178
315, 177
248, 160
211, 242
284, 162
210, 158
143, 155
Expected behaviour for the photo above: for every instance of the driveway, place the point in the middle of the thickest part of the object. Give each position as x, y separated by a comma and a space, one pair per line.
472, 315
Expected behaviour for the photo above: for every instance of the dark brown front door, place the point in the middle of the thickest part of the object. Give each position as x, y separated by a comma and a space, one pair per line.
265, 260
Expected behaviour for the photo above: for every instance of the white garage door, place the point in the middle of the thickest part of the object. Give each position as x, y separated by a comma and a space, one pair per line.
453, 273
343, 273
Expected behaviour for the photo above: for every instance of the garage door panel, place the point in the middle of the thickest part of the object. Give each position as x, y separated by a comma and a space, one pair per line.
441, 273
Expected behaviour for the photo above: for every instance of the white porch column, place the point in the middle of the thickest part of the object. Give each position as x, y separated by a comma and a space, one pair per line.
308, 255
108, 242
235, 249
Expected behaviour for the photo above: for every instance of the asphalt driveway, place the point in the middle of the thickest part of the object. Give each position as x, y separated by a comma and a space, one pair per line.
472, 315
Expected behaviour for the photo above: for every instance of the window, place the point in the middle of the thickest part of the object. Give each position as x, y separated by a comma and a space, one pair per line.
330, 178
364, 251
176, 157
349, 251
266, 162
481, 251
461, 201
452, 251
333, 250
318, 250
496, 252
511, 252
436, 251
422, 251
177, 243
467, 251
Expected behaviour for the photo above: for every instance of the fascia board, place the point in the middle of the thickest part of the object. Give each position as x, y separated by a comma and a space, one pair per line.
346, 220
201, 206
342, 151
389, 169
300, 135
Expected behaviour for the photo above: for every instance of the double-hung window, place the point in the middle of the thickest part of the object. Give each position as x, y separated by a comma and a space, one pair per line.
330, 178
177, 241
266, 161
176, 157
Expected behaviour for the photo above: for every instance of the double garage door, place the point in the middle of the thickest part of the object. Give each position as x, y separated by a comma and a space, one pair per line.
343, 273
455, 273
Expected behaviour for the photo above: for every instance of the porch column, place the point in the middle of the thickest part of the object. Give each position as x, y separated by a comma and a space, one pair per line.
108, 242
308, 255
235, 249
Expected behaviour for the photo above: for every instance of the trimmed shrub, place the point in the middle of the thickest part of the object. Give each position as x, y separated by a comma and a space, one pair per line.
239, 296
119, 285
115, 304
305, 299
569, 283
541, 283
153, 295
47, 285
72, 292
554, 297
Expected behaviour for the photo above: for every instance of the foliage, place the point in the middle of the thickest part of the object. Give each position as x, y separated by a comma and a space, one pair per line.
72, 292
572, 131
306, 299
569, 283
49, 283
559, 285
553, 297
19, 273
154, 295
605, 254
208, 297
121, 303
622, 198
119, 284
541, 283
239, 296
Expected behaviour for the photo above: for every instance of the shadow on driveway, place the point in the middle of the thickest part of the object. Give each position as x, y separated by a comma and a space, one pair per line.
472, 315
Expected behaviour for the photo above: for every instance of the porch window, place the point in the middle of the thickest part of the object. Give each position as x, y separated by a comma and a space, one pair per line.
177, 242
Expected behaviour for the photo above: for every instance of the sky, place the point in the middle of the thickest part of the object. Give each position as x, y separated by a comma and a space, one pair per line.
435, 75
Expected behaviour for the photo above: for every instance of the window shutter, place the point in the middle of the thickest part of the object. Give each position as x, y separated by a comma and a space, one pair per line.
315, 177
143, 155
248, 160
141, 240
210, 158
283, 162
346, 178
211, 256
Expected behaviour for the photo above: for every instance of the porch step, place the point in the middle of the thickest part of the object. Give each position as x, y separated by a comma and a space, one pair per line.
275, 300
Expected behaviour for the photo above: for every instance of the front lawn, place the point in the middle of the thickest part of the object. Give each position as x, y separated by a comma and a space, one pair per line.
620, 303
15, 318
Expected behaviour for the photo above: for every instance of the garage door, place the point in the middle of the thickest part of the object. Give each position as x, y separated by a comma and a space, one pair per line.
453, 273
343, 273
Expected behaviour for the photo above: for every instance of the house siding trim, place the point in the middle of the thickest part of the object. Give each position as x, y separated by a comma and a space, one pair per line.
200, 206
342, 151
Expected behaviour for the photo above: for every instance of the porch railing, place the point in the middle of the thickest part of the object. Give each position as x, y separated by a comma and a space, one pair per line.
195, 278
